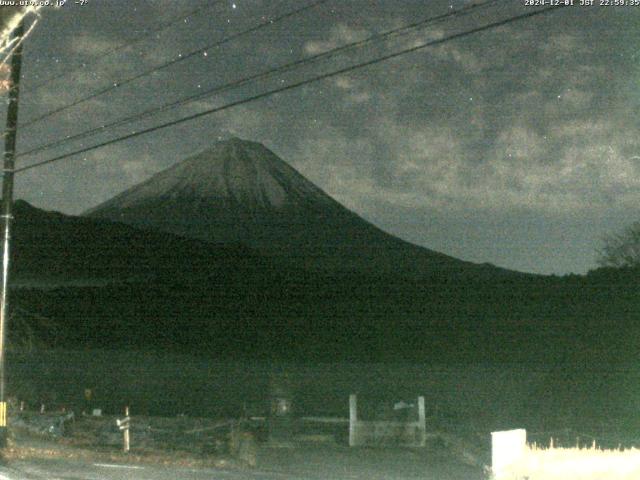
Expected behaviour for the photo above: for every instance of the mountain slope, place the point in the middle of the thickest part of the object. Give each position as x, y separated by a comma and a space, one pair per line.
240, 191
50, 248
110, 285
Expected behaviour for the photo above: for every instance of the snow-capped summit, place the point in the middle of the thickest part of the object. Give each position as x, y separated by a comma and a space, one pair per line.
233, 173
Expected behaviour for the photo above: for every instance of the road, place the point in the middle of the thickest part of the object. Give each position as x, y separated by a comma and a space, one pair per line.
303, 463
63, 469
72, 469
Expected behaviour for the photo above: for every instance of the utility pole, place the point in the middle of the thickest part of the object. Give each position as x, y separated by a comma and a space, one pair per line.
7, 217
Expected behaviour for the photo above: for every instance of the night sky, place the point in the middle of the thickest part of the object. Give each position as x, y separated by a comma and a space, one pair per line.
517, 146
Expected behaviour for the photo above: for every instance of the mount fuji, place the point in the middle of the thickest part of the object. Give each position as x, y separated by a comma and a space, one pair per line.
241, 192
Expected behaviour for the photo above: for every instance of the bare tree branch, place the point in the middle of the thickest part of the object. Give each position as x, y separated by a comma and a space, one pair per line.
621, 249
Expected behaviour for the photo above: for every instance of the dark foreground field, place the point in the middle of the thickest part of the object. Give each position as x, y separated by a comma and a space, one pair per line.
600, 400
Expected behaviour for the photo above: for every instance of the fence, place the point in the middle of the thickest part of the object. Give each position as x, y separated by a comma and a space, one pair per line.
385, 432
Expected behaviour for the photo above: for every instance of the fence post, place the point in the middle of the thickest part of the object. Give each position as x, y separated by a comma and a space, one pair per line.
127, 439
124, 424
422, 421
353, 419
507, 448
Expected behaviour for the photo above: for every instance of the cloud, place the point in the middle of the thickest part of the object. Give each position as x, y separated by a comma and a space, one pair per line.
339, 35
467, 60
94, 45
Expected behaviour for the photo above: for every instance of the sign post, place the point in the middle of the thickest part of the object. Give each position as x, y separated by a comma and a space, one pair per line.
507, 448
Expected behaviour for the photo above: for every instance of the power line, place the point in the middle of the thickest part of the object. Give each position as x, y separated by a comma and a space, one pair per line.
294, 85
472, 8
180, 58
161, 27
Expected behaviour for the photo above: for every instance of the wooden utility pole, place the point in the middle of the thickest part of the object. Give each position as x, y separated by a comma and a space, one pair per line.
7, 217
